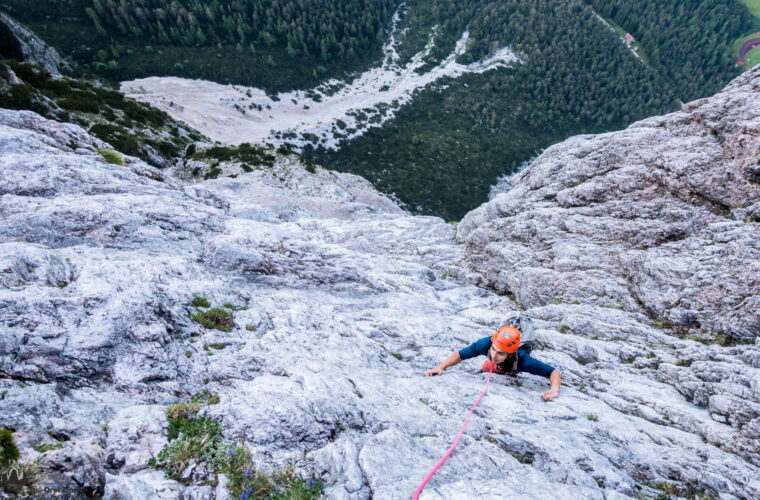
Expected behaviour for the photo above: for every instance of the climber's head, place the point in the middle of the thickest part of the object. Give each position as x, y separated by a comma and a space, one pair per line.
503, 343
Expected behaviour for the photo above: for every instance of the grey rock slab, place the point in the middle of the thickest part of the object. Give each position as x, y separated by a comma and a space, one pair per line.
135, 435
145, 485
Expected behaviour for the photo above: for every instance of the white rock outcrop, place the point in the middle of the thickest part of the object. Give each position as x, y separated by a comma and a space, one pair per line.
341, 301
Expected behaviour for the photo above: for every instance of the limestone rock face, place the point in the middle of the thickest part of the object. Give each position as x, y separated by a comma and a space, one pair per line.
341, 301
35, 50
659, 218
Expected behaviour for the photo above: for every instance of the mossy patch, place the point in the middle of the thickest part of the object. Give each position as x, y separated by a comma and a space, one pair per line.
216, 318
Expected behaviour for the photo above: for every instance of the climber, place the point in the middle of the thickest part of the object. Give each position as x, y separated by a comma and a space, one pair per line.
506, 356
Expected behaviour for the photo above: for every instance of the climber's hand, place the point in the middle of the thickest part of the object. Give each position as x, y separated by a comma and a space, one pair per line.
550, 394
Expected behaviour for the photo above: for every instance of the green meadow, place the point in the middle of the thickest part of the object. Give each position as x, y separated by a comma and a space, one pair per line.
754, 8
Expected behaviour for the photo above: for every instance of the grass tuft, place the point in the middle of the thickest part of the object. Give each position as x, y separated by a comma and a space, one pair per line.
45, 447
199, 301
111, 156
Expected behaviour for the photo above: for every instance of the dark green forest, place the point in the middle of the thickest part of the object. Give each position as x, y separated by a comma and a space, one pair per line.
321, 28
688, 42
440, 154
276, 45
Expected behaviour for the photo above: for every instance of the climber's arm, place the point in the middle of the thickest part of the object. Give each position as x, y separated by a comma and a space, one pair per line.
452, 360
555, 378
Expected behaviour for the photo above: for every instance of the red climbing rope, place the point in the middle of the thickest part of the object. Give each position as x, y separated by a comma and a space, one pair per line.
456, 441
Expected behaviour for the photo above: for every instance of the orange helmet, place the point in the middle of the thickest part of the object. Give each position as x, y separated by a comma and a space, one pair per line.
507, 339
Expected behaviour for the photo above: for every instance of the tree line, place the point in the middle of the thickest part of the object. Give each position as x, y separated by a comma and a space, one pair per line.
322, 28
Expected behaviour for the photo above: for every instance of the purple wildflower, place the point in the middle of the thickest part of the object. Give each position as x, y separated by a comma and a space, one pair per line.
230, 452
248, 472
311, 482
249, 490
243, 496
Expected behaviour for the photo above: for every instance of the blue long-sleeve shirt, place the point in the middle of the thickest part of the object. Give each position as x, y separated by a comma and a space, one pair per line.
525, 363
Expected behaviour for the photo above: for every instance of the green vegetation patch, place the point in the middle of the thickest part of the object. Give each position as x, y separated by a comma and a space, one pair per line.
45, 447
196, 436
111, 156
215, 318
199, 301
8, 450
245, 152
753, 57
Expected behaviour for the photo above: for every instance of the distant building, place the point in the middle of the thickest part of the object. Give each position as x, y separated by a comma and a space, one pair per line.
629, 39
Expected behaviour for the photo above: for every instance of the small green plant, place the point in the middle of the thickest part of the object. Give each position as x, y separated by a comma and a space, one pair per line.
188, 354
661, 324
111, 156
668, 488
397, 355
358, 393
215, 318
233, 307
650, 355
683, 362
562, 328
424, 401
3, 394
8, 450
213, 173
205, 398
45, 447
250, 328
289, 487
199, 301
583, 388
217, 345
592, 417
